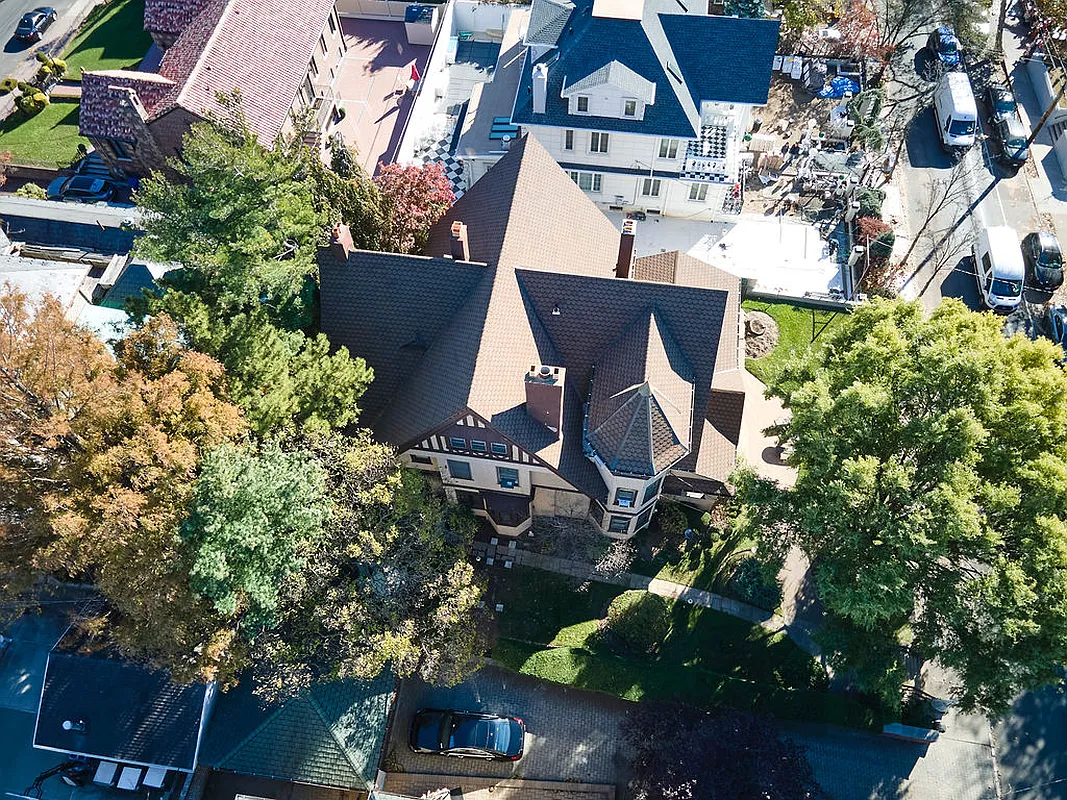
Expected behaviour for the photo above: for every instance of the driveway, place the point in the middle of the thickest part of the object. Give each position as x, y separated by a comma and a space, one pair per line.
572, 735
850, 765
1032, 746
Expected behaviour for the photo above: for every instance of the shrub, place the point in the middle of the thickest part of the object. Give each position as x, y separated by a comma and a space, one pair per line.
26, 88
882, 246
43, 73
8, 85
750, 584
639, 621
31, 190
31, 104
43, 57
671, 519
870, 200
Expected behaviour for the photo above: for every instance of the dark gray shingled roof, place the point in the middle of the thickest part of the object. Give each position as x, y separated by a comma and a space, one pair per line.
130, 713
449, 338
690, 57
329, 735
548, 20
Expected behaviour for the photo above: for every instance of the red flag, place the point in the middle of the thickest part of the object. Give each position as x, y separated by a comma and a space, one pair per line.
414, 72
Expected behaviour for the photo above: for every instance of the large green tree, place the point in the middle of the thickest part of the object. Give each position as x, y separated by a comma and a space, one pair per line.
244, 222
255, 517
98, 456
931, 497
389, 583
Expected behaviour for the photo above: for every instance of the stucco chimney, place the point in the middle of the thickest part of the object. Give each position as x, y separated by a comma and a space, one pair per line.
540, 88
460, 249
627, 240
341, 243
544, 395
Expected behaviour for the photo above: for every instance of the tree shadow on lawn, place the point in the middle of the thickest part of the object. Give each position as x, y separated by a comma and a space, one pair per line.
118, 37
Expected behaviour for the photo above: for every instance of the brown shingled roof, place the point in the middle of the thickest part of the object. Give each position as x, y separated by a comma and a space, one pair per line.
171, 16
448, 338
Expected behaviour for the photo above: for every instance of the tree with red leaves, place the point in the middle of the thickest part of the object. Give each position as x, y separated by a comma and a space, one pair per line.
414, 198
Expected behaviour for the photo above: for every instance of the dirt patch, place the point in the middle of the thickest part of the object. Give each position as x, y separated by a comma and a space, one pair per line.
761, 334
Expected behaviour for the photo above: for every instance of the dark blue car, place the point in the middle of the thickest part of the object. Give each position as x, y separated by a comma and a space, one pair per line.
944, 44
34, 23
467, 734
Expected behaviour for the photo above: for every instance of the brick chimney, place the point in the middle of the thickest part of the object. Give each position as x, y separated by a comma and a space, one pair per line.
460, 248
624, 266
341, 243
544, 395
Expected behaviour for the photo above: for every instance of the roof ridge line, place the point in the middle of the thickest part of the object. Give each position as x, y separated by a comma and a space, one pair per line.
256, 731
333, 734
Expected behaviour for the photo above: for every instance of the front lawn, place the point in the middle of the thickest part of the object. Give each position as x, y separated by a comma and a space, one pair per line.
798, 328
49, 139
552, 628
112, 37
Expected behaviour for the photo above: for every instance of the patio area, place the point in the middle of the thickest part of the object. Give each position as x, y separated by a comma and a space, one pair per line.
371, 87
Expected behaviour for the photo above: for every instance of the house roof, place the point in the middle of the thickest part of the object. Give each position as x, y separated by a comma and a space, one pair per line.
548, 20
130, 713
330, 735
667, 47
171, 16
211, 56
618, 74
641, 402
449, 338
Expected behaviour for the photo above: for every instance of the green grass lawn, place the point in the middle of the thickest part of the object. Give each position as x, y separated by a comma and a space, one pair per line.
795, 330
49, 139
551, 630
112, 37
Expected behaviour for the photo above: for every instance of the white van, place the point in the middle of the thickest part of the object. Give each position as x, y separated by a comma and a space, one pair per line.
955, 111
999, 268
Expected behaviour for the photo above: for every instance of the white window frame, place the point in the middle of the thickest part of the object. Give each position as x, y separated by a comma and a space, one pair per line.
578, 104
598, 142
626, 104
650, 187
568, 139
701, 192
595, 180
668, 148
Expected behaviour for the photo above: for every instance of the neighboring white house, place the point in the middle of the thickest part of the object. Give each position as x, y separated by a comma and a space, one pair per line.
643, 102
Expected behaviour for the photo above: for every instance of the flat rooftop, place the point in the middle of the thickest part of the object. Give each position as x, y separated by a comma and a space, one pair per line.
371, 84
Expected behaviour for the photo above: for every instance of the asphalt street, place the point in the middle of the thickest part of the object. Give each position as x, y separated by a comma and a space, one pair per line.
11, 11
982, 193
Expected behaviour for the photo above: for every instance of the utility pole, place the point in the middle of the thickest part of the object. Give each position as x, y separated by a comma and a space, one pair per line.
1048, 112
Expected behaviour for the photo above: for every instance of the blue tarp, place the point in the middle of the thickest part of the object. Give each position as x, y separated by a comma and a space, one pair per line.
838, 86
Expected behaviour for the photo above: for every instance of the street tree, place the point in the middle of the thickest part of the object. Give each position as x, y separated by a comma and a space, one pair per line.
931, 494
414, 198
255, 517
390, 582
687, 753
98, 458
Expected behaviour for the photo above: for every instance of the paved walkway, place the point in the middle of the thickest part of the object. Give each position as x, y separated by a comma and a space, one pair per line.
507, 553
414, 785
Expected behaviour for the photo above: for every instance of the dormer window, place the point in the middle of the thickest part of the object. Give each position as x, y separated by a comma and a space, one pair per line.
583, 104
629, 108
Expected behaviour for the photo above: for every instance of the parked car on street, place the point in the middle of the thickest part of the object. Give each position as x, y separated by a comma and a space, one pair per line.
34, 23
955, 112
1056, 325
1008, 137
999, 268
943, 43
467, 734
1044, 259
81, 189
1001, 102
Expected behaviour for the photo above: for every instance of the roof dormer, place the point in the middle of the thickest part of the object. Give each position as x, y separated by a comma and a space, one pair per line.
613, 90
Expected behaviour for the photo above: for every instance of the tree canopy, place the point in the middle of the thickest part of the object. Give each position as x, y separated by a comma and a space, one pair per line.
244, 222
931, 497
413, 199
686, 753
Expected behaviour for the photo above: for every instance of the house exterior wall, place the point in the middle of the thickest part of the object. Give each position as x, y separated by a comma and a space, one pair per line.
635, 515
604, 101
317, 88
634, 152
